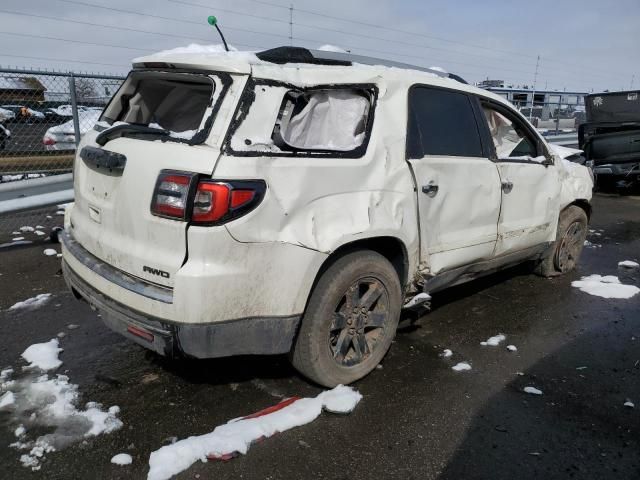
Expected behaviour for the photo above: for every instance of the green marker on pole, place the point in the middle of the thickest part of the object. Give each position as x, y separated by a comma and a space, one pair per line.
213, 21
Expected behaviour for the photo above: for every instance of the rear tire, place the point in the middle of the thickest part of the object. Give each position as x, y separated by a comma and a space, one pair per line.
350, 321
563, 256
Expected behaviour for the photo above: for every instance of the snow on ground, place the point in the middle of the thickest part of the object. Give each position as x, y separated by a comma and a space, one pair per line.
43, 355
494, 341
40, 403
49, 252
628, 264
532, 390
419, 298
33, 302
17, 239
27, 228
512, 348
628, 403
238, 435
122, 459
461, 367
446, 353
607, 286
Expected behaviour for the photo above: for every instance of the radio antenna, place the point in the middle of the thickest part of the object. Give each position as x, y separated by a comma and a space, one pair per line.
213, 21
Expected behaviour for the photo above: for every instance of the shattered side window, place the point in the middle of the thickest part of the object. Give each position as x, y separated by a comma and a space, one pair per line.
508, 140
286, 121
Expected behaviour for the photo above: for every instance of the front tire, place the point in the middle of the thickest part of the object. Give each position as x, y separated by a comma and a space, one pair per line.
565, 252
350, 321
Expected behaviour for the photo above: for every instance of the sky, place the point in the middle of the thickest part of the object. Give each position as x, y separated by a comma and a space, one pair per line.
582, 45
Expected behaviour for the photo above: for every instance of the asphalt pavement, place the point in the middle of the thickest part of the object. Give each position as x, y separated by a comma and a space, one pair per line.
418, 418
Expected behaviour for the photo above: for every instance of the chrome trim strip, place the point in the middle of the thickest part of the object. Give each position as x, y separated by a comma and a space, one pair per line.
120, 278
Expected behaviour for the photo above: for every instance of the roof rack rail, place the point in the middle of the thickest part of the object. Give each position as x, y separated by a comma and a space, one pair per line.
284, 55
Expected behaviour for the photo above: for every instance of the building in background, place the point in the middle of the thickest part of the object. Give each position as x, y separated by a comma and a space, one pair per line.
23, 90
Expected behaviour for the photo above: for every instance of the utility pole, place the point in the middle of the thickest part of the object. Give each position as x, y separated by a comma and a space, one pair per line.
633, 77
535, 79
291, 24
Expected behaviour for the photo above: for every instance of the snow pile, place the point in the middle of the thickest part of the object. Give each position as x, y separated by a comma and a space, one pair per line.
532, 391
217, 50
122, 459
629, 404
43, 355
238, 435
512, 348
494, 341
50, 251
27, 229
446, 353
33, 302
332, 48
7, 399
418, 299
461, 367
607, 286
628, 264
40, 403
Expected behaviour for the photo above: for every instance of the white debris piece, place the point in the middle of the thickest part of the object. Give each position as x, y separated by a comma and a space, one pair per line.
628, 403
419, 298
18, 432
43, 355
7, 399
27, 229
17, 239
39, 227
60, 212
512, 348
238, 435
446, 353
607, 286
6, 373
122, 459
494, 341
461, 367
39, 233
628, 264
532, 390
49, 252
33, 302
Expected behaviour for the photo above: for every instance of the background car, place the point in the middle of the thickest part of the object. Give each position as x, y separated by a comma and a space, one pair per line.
5, 134
6, 115
62, 137
22, 113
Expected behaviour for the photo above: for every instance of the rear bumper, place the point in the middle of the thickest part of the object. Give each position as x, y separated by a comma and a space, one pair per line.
246, 336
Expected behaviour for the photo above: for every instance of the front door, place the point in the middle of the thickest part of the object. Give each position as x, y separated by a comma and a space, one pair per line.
530, 184
458, 186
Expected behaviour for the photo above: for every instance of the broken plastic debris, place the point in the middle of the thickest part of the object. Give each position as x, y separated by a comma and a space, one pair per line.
532, 390
418, 299
494, 341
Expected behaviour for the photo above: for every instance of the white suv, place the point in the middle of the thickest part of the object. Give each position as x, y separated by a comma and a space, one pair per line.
294, 200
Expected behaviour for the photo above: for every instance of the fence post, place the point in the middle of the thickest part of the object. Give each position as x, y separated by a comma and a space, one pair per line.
74, 107
558, 117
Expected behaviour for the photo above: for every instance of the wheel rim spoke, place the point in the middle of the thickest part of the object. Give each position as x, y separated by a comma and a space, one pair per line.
376, 319
339, 321
373, 293
342, 345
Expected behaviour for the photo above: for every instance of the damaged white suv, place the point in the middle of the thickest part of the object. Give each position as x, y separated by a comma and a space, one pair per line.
294, 200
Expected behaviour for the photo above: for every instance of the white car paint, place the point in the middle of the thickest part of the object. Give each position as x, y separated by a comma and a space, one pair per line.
265, 263
62, 137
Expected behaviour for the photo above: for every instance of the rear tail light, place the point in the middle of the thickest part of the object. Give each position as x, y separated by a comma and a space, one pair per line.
48, 141
171, 196
182, 196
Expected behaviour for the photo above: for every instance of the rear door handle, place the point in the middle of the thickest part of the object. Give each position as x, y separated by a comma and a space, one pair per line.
430, 190
507, 187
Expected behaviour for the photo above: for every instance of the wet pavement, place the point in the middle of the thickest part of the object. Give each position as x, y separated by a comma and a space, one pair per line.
418, 418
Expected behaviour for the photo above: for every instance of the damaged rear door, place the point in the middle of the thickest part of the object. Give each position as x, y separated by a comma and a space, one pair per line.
458, 185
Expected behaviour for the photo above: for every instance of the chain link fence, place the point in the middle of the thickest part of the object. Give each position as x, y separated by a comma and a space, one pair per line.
42, 117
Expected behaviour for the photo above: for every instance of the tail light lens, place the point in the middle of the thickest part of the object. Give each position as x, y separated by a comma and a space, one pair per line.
48, 141
171, 196
183, 196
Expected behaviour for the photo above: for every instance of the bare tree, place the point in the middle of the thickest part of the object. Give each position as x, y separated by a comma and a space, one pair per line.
85, 89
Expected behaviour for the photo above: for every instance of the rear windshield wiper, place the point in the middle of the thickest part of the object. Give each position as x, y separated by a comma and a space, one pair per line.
122, 131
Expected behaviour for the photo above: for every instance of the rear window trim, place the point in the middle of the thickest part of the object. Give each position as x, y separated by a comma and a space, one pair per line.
202, 134
248, 97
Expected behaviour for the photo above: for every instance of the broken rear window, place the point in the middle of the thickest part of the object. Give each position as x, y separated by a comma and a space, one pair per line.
180, 103
306, 121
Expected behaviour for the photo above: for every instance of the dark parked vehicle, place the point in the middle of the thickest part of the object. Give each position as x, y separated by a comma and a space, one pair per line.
5, 134
22, 113
611, 138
